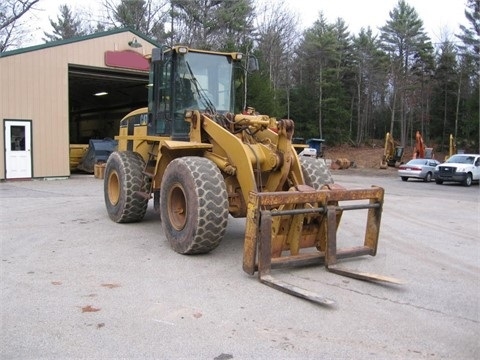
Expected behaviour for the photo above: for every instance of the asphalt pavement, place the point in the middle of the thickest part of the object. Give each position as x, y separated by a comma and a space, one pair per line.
75, 285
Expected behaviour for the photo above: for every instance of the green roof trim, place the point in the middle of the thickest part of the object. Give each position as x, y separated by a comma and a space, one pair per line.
77, 39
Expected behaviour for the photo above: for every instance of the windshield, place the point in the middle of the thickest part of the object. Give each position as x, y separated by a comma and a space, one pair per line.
417, 162
205, 82
461, 159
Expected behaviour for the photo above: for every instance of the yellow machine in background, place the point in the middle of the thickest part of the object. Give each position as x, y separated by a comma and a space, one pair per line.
393, 155
202, 161
452, 147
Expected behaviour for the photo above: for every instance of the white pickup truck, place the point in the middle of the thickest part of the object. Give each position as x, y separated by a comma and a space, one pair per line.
462, 168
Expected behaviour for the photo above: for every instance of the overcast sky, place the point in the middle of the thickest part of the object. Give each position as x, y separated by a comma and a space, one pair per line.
440, 18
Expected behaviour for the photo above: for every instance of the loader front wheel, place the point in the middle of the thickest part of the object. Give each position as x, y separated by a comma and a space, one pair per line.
315, 172
194, 201
123, 178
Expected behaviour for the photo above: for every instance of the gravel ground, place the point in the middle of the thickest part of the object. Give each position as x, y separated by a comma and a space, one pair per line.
75, 285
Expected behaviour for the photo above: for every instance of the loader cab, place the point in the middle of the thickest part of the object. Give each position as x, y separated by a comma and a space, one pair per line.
185, 79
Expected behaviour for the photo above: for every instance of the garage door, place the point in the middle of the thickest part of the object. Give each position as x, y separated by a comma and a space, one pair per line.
99, 98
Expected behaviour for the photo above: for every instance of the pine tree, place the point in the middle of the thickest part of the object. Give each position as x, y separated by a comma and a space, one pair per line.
67, 26
404, 38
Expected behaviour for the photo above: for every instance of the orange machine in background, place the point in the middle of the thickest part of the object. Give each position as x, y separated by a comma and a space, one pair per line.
420, 151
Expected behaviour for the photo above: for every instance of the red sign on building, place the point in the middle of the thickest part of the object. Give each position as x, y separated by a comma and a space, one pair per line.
126, 59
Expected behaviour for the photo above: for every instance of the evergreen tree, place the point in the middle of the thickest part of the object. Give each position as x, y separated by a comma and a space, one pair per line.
213, 24
67, 26
370, 66
323, 52
404, 38
145, 16
444, 93
467, 124
470, 36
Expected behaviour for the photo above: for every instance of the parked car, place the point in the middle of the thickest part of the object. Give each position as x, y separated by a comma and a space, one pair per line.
462, 168
418, 169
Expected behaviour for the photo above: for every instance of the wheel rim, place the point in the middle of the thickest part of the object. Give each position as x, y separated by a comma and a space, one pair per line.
177, 207
113, 188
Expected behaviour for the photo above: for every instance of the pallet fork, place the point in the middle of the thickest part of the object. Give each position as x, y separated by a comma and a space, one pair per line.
299, 227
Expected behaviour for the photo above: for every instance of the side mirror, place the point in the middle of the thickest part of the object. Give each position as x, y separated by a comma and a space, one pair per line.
157, 54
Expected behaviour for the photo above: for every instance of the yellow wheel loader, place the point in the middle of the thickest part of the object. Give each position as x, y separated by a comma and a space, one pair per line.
393, 155
452, 147
201, 161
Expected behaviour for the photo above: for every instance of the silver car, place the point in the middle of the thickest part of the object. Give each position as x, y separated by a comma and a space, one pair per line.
418, 169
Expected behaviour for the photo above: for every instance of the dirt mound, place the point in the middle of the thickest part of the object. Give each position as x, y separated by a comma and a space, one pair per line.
359, 157
364, 157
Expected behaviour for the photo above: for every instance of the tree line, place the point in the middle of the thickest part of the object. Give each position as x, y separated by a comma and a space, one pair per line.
343, 87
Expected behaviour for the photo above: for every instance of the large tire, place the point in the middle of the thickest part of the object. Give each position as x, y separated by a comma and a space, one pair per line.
315, 172
123, 178
194, 205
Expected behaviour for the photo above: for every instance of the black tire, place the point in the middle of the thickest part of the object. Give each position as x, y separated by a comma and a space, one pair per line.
404, 178
194, 205
468, 180
123, 178
438, 181
428, 177
315, 172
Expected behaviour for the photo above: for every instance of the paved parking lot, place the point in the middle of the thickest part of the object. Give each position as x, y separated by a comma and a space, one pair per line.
75, 285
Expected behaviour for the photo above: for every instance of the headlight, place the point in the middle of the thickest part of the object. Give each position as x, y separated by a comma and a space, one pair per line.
461, 169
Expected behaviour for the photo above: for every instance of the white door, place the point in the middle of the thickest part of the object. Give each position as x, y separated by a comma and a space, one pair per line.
18, 146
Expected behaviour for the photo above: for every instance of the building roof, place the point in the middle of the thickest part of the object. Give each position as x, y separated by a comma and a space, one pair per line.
77, 39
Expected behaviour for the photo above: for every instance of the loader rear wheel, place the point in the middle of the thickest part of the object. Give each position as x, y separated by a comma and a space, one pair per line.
315, 172
123, 178
194, 205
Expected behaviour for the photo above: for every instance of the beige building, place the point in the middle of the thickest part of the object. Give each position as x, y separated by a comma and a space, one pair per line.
67, 92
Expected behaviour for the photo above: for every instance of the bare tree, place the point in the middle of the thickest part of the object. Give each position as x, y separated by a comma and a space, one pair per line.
11, 13
276, 35
370, 67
